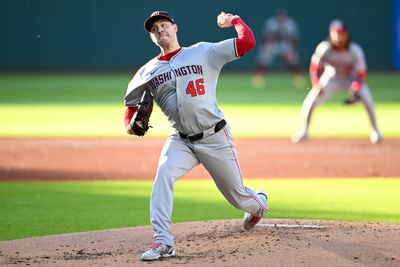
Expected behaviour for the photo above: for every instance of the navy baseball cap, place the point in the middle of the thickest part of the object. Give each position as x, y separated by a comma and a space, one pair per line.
338, 25
157, 15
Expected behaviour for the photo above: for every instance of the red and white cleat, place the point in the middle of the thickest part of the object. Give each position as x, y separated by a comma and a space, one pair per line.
158, 250
251, 220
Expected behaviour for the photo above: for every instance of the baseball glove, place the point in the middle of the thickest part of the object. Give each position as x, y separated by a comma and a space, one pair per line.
139, 124
353, 98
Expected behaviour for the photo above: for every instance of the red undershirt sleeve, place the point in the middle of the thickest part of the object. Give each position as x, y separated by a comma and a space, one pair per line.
129, 112
357, 83
245, 40
315, 72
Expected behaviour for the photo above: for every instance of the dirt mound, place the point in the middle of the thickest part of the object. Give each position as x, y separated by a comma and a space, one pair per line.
136, 158
219, 243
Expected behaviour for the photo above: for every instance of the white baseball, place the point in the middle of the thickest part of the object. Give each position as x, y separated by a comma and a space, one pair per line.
221, 19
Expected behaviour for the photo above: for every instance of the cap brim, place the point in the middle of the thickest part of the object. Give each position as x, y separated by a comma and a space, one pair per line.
150, 20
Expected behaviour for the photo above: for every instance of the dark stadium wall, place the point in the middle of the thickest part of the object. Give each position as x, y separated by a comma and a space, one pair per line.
109, 35
396, 34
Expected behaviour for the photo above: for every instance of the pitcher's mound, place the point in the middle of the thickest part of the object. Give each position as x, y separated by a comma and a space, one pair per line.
219, 243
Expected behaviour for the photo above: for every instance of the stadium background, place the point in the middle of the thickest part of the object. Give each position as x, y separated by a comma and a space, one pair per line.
108, 35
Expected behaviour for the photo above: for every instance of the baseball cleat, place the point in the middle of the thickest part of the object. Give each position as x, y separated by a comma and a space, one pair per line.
251, 220
299, 138
158, 250
375, 137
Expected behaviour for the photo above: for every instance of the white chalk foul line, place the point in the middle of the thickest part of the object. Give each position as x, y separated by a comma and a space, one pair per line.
282, 225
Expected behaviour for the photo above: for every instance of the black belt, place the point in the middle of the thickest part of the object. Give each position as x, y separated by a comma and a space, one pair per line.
195, 137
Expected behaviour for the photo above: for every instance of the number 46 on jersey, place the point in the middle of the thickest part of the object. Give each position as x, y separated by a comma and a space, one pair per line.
195, 88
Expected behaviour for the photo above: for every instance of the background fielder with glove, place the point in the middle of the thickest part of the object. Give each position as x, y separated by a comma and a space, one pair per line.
337, 64
183, 82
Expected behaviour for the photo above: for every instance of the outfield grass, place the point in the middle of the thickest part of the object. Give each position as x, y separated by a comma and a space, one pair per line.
34, 209
246, 120
92, 105
42, 88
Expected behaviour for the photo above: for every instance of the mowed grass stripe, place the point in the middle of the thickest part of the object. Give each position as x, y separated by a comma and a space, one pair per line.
91, 104
41, 208
260, 120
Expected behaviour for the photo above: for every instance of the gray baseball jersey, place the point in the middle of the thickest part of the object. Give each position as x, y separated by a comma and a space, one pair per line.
185, 89
185, 86
340, 69
342, 64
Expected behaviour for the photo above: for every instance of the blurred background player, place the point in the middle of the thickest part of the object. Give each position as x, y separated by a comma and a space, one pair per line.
280, 35
337, 64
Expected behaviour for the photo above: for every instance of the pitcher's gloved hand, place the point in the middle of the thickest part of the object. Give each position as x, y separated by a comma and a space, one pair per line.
139, 123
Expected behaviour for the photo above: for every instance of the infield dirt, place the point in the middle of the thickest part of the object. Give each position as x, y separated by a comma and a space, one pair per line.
218, 243
210, 243
136, 158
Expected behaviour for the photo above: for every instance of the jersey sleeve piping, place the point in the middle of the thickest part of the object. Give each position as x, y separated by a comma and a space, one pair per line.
235, 47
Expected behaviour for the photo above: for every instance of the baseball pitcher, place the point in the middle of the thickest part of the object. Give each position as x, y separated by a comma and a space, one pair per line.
183, 81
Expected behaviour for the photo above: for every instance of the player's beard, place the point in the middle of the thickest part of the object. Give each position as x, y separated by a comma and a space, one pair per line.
338, 40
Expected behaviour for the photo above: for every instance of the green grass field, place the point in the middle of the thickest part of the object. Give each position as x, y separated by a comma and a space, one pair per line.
91, 105
34, 209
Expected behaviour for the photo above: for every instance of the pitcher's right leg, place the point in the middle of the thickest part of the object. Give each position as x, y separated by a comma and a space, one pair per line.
176, 159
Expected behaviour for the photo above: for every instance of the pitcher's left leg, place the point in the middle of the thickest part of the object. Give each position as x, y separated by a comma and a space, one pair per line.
218, 155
